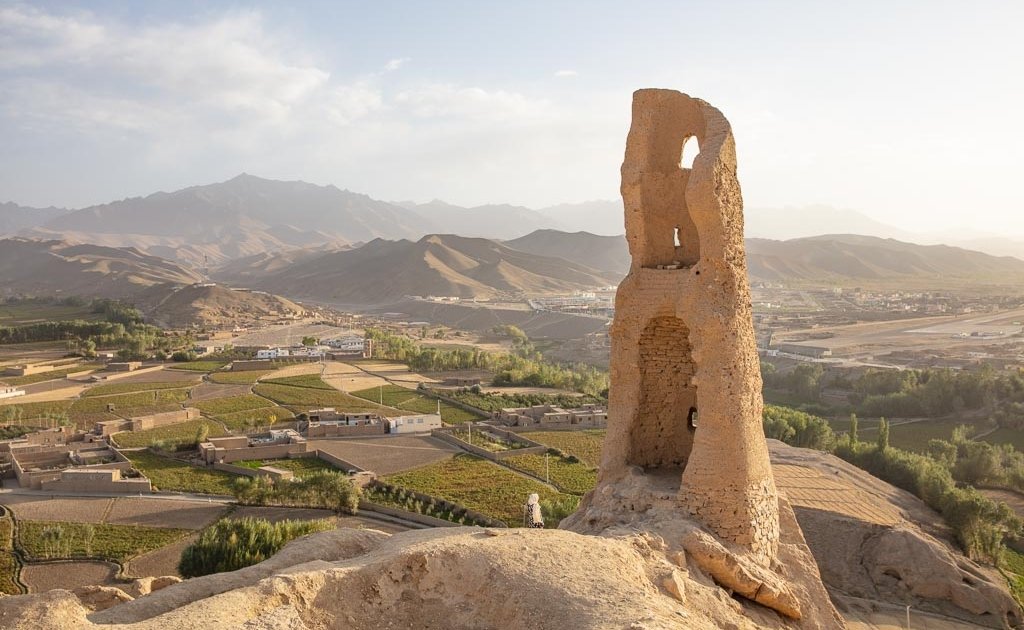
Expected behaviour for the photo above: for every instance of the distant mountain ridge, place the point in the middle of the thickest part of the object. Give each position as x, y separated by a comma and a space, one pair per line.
14, 218
384, 271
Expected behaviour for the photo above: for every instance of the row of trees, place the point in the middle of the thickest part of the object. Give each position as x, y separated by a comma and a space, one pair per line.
908, 393
323, 489
232, 544
979, 524
522, 367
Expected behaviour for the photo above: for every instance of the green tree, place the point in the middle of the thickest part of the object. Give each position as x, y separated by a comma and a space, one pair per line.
883, 434
309, 341
232, 544
853, 429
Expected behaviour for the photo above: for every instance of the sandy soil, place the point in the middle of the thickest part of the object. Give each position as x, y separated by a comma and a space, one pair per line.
63, 393
806, 487
67, 575
387, 455
348, 378
294, 370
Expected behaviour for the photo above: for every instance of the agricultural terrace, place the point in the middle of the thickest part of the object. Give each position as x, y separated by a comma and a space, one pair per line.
8, 563
170, 436
24, 313
246, 377
586, 445
197, 366
305, 398
300, 465
176, 475
300, 380
231, 404
50, 375
1003, 435
255, 418
568, 474
388, 455
476, 483
119, 543
86, 411
412, 401
18, 412
111, 389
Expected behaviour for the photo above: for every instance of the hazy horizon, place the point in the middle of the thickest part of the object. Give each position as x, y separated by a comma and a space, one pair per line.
862, 107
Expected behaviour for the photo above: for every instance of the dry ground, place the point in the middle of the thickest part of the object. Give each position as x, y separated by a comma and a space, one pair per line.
67, 575
809, 488
348, 378
120, 510
387, 455
294, 370
163, 561
208, 391
37, 508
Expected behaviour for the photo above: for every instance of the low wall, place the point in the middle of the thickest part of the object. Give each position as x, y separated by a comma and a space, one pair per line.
456, 403
423, 519
248, 366
338, 462
86, 485
155, 420
247, 472
345, 430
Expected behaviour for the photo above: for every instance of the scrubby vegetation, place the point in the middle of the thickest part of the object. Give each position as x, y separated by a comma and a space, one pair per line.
568, 474
301, 466
231, 404
306, 397
245, 377
111, 389
8, 562
413, 401
254, 419
231, 544
404, 499
302, 380
317, 489
585, 445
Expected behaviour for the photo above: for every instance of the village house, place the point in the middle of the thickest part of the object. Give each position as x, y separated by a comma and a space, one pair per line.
549, 415
275, 444
328, 422
10, 392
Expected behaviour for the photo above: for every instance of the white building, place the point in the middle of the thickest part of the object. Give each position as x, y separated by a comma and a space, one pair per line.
10, 392
414, 424
347, 344
272, 353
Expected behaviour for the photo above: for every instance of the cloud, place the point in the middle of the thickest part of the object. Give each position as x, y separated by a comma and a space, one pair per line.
566, 73
395, 64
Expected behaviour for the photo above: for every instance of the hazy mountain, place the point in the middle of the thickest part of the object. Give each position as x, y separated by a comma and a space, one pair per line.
243, 272
603, 217
14, 217
800, 222
209, 305
243, 216
865, 259
607, 253
490, 221
55, 267
445, 265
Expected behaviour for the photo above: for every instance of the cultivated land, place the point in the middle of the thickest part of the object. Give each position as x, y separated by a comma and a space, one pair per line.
175, 475
411, 401
387, 455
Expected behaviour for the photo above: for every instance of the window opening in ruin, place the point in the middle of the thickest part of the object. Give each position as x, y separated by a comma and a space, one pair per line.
678, 242
691, 418
691, 149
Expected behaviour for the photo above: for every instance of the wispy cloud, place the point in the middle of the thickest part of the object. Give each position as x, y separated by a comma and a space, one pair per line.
395, 64
566, 73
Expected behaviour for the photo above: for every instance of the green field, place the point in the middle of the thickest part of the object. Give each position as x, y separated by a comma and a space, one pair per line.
586, 445
124, 404
21, 314
50, 375
172, 435
245, 377
495, 401
302, 380
308, 397
1004, 435
34, 410
300, 465
231, 404
566, 475
476, 484
197, 366
241, 421
112, 389
412, 401
912, 437
111, 542
8, 563
175, 475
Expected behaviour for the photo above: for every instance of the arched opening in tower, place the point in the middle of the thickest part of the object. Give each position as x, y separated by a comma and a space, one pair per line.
666, 421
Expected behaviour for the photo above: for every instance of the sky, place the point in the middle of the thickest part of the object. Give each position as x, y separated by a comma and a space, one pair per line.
909, 112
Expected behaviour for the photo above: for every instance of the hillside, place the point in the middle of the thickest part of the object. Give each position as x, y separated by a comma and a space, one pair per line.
35, 267
243, 216
607, 253
243, 272
490, 221
382, 272
210, 305
848, 258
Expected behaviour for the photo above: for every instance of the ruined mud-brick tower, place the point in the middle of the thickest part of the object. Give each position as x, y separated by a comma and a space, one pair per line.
685, 404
